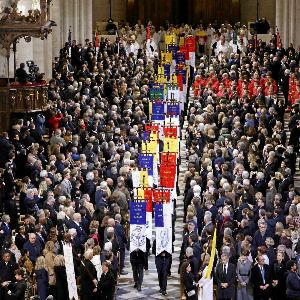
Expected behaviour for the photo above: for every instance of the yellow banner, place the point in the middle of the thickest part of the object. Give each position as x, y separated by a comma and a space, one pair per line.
170, 39
212, 256
161, 71
166, 58
149, 147
144, 178
181, 41
170, 144
140, 194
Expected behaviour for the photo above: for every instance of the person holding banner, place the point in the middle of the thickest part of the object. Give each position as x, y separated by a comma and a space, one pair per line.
137, 260
162, 262
88, 277
62, 292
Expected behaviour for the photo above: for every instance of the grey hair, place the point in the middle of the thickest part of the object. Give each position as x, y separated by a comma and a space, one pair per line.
189, 251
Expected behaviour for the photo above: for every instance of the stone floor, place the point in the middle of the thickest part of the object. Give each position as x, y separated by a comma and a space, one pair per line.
150, 288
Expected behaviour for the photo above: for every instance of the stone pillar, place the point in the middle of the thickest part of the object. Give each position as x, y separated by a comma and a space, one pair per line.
292, 21
286, 20
76, 20
279, 16
297, 39
66, 20
47, 63
57, 31
82, 21
89, 20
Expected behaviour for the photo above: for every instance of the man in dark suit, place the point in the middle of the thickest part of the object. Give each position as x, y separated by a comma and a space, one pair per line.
122, 240
7, 271
5, 230
225, 278
261, 279
76, 223
34, 247
106, 284
260, 235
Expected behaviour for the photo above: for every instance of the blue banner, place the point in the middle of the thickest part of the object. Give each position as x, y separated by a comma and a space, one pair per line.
146, 161
174, 49
146, 136
167, 71
159, 215
158, 111
173, 109
180, 58
137, 213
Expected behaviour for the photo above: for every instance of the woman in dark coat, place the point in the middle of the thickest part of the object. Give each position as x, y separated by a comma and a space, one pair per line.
41, 278
106, 285
62, 292
278, 271
88, 277
187, 281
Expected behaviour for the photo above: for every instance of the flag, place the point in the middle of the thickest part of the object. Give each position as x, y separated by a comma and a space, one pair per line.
255, 41
212, 255
70, 37
97, 40
148, 31
278, 39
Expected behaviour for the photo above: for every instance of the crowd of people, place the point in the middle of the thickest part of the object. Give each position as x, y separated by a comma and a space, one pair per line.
70, 169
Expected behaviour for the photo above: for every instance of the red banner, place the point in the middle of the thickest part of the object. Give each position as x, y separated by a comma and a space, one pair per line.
167, 176
170, 131
184, 50
162, 195
148, 195
190, 43
168, 158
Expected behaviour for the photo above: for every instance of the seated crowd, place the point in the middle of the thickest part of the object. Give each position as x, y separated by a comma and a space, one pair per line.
74, 185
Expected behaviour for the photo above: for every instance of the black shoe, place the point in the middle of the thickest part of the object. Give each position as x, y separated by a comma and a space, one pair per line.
135, 286
139, 288
160, 291
164, 293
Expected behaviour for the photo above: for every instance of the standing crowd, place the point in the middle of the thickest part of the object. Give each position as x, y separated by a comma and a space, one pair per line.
74, 183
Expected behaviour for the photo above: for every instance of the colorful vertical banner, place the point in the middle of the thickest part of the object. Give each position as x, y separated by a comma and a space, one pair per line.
146, 161
157, 92
163, 228
137, 226
157, 110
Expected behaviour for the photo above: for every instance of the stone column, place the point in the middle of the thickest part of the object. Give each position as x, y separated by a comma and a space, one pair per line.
66, 20
286, 20
292, 21
297, 41
57, 31
82, 21
75, 32
89, 20
279, 16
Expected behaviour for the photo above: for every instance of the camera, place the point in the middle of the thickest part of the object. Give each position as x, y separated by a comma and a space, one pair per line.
33, 69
